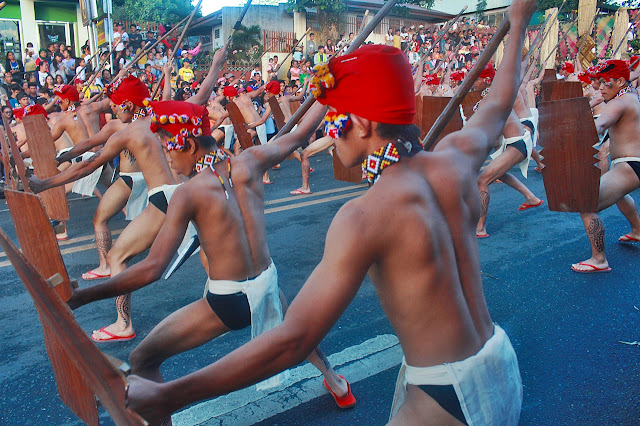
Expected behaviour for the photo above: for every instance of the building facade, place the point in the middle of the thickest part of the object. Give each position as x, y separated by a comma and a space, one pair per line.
40, 23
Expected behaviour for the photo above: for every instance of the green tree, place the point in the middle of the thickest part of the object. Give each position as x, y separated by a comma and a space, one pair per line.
329, 12
481, 6
164, 11
246, 44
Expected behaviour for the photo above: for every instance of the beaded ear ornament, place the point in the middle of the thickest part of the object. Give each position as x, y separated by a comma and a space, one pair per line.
485, 92
335, 124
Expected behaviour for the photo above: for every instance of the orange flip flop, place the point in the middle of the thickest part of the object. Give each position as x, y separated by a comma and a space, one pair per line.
343, 402
525, 206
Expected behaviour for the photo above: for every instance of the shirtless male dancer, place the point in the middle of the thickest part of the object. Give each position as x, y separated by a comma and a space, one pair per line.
142, 145
414, 235
119, 193
621, 117
228, 213
515, 149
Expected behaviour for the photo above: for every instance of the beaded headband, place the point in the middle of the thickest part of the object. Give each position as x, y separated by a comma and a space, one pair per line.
177, 143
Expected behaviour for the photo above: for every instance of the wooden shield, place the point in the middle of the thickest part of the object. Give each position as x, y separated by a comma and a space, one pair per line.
432, 107
294, 105
276, 110
346, 174
239, 126
549, 75
571, 176
43, 153
39, 245
559, 89
96, 369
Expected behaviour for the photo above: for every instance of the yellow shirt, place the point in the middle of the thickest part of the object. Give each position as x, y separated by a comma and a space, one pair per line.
186, 74
397, 41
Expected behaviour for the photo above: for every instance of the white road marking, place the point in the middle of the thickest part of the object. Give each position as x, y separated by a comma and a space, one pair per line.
248, 406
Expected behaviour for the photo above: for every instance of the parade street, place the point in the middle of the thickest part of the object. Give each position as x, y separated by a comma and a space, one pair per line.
566, 327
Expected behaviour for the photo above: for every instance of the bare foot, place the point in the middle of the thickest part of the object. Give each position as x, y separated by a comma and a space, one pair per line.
62, 237
590, 266
531, 203
113, 333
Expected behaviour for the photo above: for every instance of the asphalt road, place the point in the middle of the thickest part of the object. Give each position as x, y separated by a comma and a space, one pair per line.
565, 327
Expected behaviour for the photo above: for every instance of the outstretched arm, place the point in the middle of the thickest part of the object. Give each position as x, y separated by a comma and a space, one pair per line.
150, 269
209, 83
263, 119
112, 148
478, 136
316, 308
263, 157
96, 140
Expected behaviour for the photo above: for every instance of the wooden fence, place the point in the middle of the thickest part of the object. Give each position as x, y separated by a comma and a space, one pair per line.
278, 41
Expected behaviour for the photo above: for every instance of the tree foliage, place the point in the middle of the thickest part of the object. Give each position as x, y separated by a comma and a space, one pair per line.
163, 11
245, 44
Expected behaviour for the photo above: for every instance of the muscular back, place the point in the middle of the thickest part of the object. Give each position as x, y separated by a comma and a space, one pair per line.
232, 232
435, 300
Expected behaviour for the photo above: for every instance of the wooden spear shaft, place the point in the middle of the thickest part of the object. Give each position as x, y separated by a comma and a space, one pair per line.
453, 105
179, 43
534, 45
360, 38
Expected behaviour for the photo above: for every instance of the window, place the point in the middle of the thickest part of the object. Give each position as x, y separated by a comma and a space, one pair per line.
10, 38
216, 33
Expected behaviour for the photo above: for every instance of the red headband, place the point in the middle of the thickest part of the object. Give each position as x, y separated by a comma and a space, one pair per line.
67, 91
128, 89
568, 67
273, 87
488, 72
181, 119
613, 68
374, 82
230, 91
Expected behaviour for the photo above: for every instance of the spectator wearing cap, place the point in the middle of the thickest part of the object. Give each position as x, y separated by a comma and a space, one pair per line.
186, 73
150, 40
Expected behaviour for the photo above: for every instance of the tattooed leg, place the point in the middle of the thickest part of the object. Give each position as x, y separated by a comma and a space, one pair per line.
481, 229
595, 231
123, 306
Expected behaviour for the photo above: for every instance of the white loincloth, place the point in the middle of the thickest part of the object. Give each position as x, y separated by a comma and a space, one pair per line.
228, 135
625, 160
534, 119
524, 164
266, 311
87, 184
487, 384
261, 130
138, 198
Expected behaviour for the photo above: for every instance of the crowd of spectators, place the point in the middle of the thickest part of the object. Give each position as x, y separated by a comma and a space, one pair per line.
58, 64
